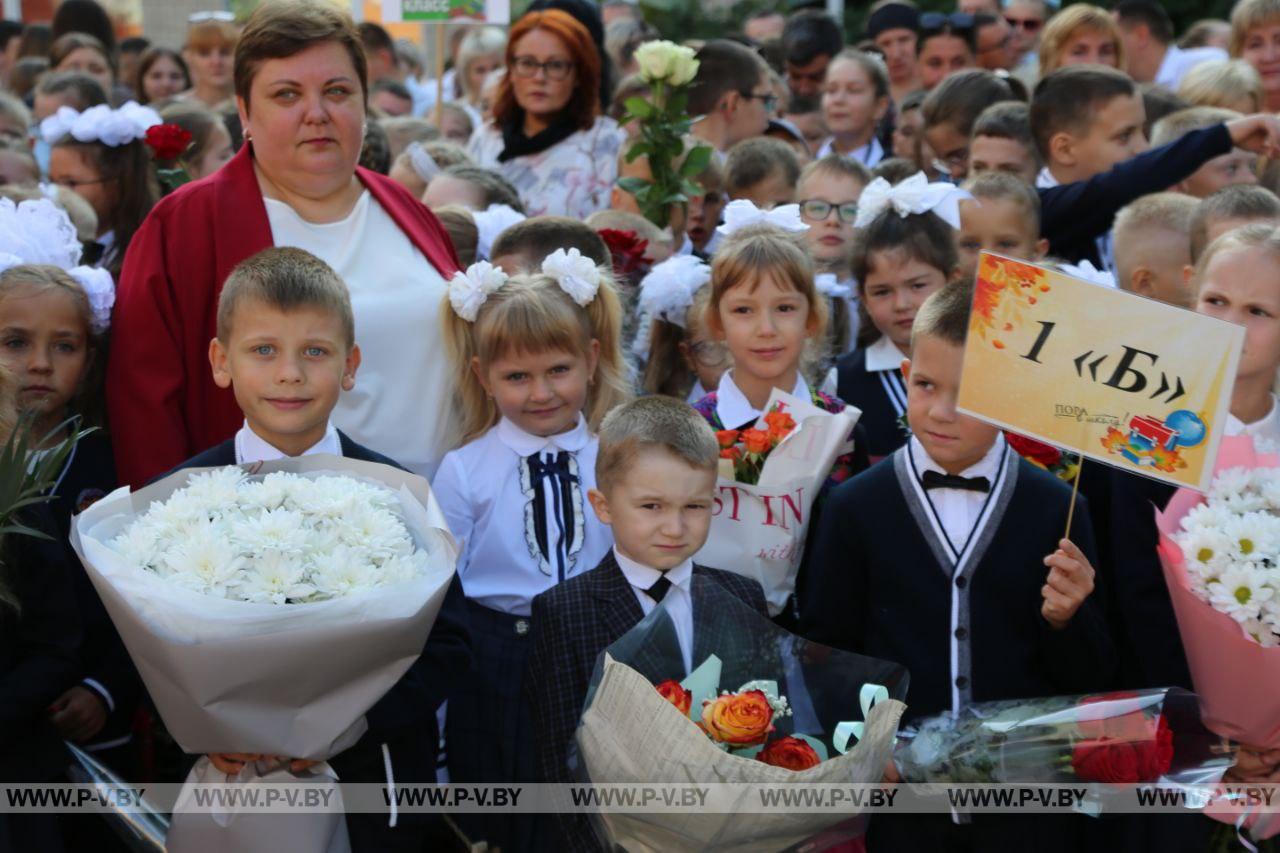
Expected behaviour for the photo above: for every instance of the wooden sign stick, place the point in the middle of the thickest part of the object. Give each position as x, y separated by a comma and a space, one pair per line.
1075, 490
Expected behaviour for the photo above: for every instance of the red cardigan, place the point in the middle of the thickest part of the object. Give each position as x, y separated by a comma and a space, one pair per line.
163, 405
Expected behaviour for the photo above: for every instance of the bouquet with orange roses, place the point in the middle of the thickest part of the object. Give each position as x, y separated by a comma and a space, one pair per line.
761, 705
748, 449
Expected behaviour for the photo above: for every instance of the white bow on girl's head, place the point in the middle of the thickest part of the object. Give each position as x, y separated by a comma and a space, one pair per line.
1087, 271
828, 285
422, 161
491, 222
742, 212
469, 290
666, 293
912, 196
577, 275
103, 124
37, 231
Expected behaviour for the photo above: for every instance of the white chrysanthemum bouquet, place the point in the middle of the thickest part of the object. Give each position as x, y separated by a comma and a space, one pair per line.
268, 611
283, 539
1231, 546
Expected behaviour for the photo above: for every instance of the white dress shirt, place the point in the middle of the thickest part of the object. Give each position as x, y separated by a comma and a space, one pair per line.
1177, 62
1264, 432
678, 600
481, 488
401, 403
735, 409
958, 510
251, 447
868, 155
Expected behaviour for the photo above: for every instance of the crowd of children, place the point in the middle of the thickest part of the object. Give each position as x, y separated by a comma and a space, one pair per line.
587, 361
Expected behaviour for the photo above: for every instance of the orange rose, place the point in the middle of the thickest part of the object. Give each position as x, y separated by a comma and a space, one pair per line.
727, 437
789, 753
734, 453
780, 422
676, 695
743, 719
756, 440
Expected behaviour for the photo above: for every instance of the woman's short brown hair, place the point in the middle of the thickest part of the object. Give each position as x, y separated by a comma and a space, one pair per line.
283, 28
211, 34
584, 105
1062, 26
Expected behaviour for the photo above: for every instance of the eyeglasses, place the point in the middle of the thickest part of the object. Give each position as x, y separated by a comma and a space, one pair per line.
769, 101
819, 210
216, 15
930, 21
710, 354
1031, 25
527, 66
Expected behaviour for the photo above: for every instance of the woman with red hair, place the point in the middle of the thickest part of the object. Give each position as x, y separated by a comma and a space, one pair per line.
547, 135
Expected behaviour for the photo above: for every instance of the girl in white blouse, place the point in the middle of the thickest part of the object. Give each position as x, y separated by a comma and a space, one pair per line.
538, 363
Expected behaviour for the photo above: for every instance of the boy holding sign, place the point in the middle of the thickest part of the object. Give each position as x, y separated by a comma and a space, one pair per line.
936, 559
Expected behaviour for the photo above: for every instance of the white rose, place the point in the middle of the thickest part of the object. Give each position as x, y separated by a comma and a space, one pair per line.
666, 62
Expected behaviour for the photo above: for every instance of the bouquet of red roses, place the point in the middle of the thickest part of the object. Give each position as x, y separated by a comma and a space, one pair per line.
1113, 738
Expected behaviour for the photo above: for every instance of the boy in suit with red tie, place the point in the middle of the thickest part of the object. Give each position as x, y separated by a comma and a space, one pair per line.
656, 478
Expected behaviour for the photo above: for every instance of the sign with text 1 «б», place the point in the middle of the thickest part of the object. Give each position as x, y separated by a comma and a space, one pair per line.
1125, 380
461, 11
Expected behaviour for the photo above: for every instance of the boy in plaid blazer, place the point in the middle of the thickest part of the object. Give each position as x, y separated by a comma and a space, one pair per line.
656, 478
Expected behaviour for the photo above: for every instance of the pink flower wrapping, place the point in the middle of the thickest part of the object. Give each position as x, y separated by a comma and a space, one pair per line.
1237, 680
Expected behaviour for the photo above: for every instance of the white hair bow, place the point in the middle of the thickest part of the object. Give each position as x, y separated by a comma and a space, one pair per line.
828, 285
103, 124
742, 212
37, 231
469, 290
577, 275
491, 222
666, 293
1087, 271
912, 196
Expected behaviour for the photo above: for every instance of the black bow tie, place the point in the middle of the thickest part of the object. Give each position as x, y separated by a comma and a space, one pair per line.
659, 589
934, 480
91, 252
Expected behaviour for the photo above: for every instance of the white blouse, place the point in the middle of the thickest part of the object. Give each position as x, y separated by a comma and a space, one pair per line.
521, 532
572, 178
401, 405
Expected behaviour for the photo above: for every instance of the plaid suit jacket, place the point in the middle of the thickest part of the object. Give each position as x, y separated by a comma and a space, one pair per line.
573, 622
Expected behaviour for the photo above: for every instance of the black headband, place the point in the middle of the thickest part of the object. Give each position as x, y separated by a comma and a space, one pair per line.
895, 16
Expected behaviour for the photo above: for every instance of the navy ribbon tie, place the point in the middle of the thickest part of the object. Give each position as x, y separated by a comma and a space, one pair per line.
934, 480
556, 468
659, 589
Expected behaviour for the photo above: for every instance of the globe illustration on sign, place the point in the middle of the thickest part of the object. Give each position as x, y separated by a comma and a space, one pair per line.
1191, 429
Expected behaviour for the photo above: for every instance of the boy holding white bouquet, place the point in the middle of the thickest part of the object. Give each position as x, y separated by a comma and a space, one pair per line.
935, 558
286, 347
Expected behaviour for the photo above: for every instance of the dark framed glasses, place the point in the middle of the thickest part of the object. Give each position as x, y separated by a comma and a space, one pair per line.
819, 210
1031, 25
769, 100
527, 66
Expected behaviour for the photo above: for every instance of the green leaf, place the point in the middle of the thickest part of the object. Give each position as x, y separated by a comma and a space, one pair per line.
696, 162
639, 107
633, 185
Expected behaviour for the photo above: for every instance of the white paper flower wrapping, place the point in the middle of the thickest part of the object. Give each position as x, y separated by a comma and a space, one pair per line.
742, 212
100, 123
915, 195
577, 274
469, 290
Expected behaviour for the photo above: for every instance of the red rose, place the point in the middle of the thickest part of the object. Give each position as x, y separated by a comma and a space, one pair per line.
790, 753
167, 141
1130, 725
1034, 451
626, 249
676, 695
1127, 748
1106, 760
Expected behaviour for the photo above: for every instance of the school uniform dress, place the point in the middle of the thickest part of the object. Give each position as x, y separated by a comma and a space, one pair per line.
402, 739
871, 379
943, 575
107, 670
39, 658
517, 503
577, 620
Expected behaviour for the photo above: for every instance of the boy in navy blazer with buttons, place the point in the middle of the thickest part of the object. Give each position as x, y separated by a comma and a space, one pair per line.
935, 558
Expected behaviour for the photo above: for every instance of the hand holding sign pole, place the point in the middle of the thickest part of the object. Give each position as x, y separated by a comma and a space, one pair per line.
1121, 379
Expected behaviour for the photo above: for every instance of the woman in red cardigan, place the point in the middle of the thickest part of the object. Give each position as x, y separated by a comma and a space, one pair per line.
300, 80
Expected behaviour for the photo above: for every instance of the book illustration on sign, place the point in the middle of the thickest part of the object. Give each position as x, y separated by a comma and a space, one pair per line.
1152, 442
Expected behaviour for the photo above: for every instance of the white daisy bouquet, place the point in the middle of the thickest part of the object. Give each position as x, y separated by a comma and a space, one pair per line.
267, 610
1220, 553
